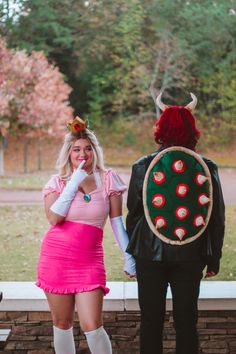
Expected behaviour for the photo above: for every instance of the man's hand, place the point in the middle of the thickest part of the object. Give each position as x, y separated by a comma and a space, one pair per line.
210, 274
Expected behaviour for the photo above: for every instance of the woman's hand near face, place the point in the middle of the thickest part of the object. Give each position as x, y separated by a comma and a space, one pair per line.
62, 204
71, 188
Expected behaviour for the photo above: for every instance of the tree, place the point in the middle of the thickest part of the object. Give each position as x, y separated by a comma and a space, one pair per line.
96, 44
113, 61
112, 52
33, 94
198, 57
51, 27
213, 54
4, 101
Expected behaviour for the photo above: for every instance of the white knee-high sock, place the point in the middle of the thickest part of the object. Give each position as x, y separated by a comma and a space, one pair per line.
63, 340
98, 341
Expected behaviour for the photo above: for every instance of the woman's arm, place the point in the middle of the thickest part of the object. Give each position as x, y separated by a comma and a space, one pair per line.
52, 217
135, 197
62, 203
121, 234
115, 205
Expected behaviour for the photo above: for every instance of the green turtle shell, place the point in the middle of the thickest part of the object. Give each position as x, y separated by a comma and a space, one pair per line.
177, 195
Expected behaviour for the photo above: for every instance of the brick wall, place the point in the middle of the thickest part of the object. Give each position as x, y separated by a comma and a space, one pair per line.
32, 332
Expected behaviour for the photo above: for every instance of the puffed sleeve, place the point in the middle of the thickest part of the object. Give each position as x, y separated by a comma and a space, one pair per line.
55, 184
114, 183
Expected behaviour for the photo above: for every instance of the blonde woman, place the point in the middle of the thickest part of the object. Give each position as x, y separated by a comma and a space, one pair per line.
71, 265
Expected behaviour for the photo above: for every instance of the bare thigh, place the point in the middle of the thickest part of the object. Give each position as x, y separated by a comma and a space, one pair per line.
62, 309
89, 308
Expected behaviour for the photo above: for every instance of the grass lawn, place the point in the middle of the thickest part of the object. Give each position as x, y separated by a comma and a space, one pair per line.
33, 181
22, 229
28, 181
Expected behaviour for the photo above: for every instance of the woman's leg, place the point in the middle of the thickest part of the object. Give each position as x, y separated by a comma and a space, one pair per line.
62, 310
89, 307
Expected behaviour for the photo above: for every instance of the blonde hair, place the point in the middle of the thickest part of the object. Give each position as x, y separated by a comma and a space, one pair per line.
63, 162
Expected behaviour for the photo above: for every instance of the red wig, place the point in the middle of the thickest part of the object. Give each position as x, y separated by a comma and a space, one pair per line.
176, 126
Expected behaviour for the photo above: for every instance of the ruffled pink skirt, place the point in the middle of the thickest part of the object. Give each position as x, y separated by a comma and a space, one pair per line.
71, 259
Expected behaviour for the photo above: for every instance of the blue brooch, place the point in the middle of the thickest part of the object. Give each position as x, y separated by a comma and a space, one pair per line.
87, 198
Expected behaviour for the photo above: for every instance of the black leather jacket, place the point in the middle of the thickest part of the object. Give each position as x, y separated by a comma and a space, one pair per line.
144, 244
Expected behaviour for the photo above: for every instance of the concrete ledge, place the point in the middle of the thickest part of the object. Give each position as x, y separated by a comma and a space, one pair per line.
4, 334
25, 296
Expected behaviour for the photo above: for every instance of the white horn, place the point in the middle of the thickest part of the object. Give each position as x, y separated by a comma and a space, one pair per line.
160, 104
193, 103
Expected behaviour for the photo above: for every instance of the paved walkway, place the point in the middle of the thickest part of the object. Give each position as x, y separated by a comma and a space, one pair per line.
227, 176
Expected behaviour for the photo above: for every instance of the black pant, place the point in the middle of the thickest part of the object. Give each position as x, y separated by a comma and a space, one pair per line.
184, 280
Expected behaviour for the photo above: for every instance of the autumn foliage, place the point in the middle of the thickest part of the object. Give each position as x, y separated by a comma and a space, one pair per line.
33, 94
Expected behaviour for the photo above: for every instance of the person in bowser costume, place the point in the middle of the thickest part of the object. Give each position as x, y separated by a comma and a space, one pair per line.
175, 225
71, 266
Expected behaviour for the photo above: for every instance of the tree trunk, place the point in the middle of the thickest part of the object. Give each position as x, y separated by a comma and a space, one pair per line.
39, 146
26, 144
1, 157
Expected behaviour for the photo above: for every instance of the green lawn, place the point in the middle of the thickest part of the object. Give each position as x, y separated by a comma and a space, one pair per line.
25, 181
22, 229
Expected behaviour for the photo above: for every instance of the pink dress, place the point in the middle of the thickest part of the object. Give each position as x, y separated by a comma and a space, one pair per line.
71, 257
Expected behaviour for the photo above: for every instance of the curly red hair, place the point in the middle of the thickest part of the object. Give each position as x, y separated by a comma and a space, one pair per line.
176, 126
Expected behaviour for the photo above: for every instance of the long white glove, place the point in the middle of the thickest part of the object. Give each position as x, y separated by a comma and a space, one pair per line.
62, 205
123, 240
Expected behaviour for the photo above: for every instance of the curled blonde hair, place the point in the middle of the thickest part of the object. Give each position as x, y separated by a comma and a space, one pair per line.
63, 162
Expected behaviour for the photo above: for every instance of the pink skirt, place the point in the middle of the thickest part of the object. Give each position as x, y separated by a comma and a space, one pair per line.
71, 259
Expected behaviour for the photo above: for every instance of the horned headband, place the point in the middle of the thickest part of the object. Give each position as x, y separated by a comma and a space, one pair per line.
189, 106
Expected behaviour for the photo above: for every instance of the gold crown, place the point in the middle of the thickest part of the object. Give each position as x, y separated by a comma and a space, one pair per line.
77, 125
